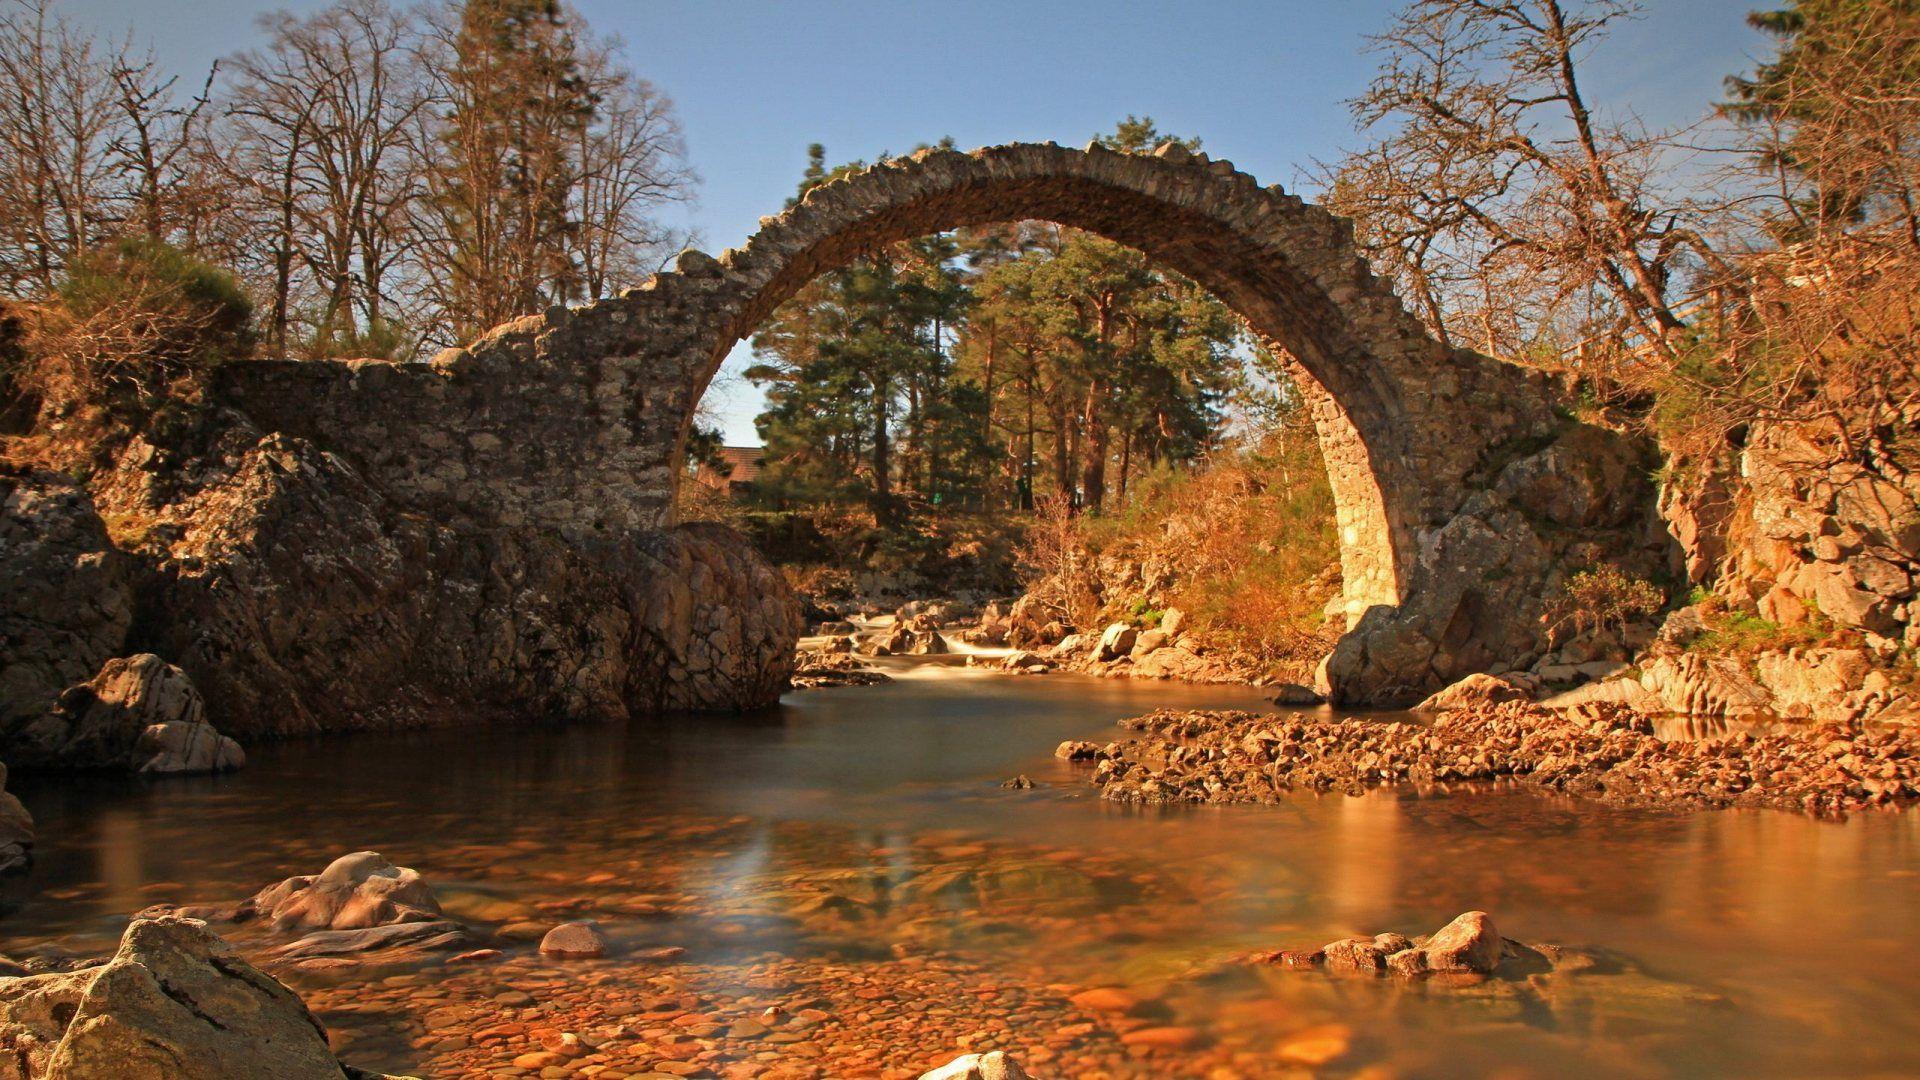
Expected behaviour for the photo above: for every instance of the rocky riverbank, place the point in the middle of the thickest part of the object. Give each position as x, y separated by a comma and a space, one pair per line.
1597, 751
292, 595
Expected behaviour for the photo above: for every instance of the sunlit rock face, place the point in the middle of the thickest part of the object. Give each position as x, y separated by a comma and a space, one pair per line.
175, 1002
1814, 527
1462, 493
275, 589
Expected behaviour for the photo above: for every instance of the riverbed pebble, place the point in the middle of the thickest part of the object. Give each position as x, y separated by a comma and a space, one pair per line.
1600, 751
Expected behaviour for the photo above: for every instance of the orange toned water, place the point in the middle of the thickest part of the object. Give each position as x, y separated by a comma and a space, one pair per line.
852, 820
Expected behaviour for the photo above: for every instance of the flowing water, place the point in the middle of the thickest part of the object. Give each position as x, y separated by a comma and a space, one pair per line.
1760, 944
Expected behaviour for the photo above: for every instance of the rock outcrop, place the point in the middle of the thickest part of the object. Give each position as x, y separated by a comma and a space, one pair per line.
140, 714
66, 600
1828, 685
1825, 532
16, 830
299, 598
174, 1003
1813, 538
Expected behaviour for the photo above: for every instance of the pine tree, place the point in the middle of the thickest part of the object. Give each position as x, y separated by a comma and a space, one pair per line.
517, 104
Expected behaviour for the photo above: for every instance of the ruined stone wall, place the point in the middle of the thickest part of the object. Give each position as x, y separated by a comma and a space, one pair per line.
497, 434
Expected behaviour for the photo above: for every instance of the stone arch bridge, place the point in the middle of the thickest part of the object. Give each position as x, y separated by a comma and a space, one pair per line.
1465, 492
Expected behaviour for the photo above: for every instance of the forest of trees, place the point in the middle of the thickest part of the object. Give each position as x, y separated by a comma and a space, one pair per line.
990, 367
380, 179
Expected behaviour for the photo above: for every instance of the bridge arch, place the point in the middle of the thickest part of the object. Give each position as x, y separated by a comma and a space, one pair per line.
1464, 488
1386, 397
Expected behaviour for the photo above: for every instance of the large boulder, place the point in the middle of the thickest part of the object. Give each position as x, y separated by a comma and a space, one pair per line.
65, 594
354, 892
1116, 641
174, 1003
16, 830
1474, 690
927, 643
717, 623
140, 714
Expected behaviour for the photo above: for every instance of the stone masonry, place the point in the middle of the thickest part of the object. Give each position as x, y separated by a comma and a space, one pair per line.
1463, 493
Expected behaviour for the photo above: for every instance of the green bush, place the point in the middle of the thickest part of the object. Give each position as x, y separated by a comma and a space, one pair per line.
181, 309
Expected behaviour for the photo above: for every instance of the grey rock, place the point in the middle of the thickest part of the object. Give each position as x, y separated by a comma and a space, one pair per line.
174, 1003
140, 714
580, 940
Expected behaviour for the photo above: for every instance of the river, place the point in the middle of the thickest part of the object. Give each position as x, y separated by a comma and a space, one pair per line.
872, 822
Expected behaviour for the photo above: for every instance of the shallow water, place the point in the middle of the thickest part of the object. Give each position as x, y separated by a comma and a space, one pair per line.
853, 820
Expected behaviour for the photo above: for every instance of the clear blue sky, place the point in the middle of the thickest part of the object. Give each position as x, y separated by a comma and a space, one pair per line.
1260, 81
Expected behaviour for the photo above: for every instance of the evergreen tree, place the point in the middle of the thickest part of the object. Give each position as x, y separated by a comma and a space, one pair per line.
942, 370
517, 104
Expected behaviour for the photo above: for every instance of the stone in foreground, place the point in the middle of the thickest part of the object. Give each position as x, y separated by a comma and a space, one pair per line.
1468, 945
354, 892
574, 941
175, 1003
995, 1065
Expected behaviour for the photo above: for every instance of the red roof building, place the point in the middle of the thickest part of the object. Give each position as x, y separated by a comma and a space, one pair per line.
739, 467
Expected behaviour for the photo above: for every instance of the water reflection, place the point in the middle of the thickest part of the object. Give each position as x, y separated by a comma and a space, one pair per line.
854, 820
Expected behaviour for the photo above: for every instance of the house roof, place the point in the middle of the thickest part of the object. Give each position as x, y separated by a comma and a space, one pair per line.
742, 464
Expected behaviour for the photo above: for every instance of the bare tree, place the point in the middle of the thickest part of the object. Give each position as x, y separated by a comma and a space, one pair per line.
1818, 310
1500, 202
629, 162
57, 118
152, 148
321, 121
